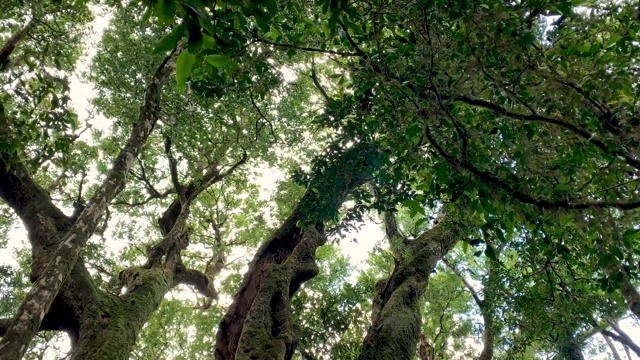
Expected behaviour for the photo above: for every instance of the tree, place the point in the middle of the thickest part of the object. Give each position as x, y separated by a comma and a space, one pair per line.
518, 120
102, 321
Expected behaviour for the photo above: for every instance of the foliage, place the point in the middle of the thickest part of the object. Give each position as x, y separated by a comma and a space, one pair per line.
522, 117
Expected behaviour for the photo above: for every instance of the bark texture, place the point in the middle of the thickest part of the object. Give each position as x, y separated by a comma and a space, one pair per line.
258, 324
570, 348
64, 295
11, 44
396, 319
485, 304
631, 296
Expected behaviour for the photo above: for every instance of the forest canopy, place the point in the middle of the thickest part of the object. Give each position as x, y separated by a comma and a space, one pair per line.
207, 201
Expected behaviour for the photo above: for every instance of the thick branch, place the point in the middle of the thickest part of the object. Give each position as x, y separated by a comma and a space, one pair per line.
4, 325
396, 320
473, 291
541, 118
12, 43
397, 241
304, 48
28, 199
269, 273
173, 220
202, 282
522, 196
37, 303
624, 340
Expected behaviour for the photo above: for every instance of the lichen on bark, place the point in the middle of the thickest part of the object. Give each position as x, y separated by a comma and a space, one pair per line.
269, 331
396, 319
261, 308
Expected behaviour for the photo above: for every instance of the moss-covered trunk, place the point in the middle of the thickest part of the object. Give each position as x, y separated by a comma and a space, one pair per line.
396, 319
111, 324
570, 347
258, 324
57, 250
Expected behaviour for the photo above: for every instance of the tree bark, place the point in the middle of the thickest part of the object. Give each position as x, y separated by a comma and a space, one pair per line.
488, 331
396, 320
612, 347
11, 44
110, 325
258, 324
59, 264
631, 296
569, 346
621, 337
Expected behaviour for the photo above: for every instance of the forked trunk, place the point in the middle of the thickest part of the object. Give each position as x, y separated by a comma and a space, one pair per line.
258, 324
396, 318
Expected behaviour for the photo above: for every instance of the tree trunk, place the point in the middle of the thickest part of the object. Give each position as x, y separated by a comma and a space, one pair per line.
570, 347
632, 298
612, 347
11, 44
258, 324
396, 319
110, 326
57, 240
488, 338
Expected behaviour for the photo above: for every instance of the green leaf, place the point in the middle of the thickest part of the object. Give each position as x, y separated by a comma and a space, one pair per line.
165, 9
262, 23
208, 42
420, 222
220, 61
490, 252
170, 41
613, 40
184, 65
333, 19
618, 299
413, 130
631, 234
272, 6
414, 207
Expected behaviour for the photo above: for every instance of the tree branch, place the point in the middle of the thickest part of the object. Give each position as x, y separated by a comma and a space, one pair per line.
304, 48
38, 302
202, 282
624, 340
607, 339
522, 196
11, 44
473, 291
173, 166
174, 217
29, 200
549, 120
314, 77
